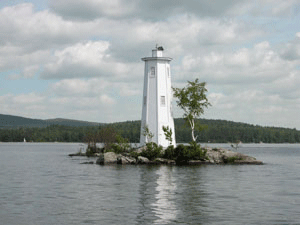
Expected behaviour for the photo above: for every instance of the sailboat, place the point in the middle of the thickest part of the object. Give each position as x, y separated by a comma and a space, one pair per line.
24, 140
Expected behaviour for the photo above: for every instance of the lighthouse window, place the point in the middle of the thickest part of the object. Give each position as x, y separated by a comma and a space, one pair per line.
152, 72
163, 100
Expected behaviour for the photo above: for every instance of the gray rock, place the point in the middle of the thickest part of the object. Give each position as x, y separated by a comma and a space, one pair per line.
100, 159
107, 158
139, 150
110, 157
220, 156
142, 160
126, 160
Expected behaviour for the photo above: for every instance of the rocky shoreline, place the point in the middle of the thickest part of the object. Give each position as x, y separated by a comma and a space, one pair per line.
213, 156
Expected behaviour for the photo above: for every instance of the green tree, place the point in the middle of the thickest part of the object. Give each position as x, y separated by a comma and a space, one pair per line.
192, 99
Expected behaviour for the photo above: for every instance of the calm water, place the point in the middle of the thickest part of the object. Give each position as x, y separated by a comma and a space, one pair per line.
40, 184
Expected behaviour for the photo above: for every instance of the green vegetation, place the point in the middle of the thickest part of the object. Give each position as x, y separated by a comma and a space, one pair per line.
122, 145
168, 133
217, 131
152, 151
192, 100
193, 151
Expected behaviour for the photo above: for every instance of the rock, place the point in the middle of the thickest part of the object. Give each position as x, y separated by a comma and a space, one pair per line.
214, 155
220, 156
107, 158
164, 161
139, 150
245, 159
126, 160
100, 159
142, 160
91, 162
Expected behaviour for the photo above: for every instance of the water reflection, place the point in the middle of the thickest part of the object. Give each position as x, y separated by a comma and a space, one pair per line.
171, 195
165, 207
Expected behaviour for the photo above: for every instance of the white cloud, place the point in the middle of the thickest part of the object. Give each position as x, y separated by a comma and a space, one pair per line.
90, 59
244, 66
92, 9
26, 99
291, 50
160, 10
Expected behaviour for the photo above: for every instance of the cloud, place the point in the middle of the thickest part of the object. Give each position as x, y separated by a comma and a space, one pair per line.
255, 107
260, 64
291, 51
92, 9
160, 10
31, 30
90, 59
48, 40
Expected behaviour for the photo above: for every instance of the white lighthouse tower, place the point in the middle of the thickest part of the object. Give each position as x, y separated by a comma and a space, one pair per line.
157, 98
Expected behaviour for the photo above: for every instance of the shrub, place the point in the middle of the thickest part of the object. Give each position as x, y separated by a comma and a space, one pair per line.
169, 153
152, 151
182, 154
196, 152
134, 154
121, 146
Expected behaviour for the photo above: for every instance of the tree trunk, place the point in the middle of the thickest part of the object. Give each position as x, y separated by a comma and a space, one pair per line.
192, 124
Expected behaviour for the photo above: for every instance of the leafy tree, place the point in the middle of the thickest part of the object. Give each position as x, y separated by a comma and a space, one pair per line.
192, 99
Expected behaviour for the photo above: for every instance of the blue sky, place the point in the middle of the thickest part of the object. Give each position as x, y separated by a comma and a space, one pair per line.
81, 59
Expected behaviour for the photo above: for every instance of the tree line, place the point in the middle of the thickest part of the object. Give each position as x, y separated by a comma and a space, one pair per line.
214, 131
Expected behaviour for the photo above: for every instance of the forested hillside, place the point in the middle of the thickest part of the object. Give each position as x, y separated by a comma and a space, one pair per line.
219, 131
9, 121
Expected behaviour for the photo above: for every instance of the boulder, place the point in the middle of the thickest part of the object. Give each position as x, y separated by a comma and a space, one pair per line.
100, 159
126, 160
139, 150
220, 156
214, 155
142, 160
107, 158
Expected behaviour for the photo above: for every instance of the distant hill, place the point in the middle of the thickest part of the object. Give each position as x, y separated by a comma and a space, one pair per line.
9, 121
65, 130
73, 123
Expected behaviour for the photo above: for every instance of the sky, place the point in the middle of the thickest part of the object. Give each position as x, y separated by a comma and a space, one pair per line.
81, 59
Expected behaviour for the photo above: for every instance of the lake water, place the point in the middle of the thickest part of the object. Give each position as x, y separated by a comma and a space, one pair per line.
41, 184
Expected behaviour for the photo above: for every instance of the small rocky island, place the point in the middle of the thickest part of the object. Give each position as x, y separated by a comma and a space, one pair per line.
180, 155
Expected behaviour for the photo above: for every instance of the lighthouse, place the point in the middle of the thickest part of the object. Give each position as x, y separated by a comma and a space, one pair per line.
157, 99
